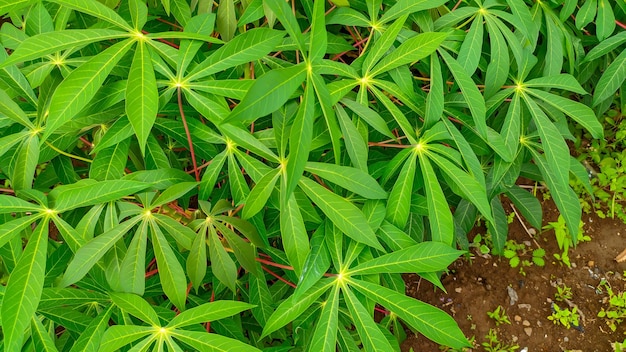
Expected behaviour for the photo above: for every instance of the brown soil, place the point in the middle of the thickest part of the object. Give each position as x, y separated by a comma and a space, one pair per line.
478, 285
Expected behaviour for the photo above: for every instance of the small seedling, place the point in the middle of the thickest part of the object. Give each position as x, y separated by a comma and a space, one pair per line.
480, 243
564, 316
563, 292
564, 238
499, 316
514, 252
616, 312
619, 346
493, 343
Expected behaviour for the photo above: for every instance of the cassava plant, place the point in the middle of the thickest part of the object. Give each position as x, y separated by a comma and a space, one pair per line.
257, 174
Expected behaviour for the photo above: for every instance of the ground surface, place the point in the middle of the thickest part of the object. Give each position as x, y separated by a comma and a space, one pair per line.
478, 285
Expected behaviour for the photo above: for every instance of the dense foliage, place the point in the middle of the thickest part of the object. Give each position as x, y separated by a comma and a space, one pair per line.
257, 174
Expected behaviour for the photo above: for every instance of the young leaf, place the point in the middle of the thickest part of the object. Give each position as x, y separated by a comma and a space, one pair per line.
136, 306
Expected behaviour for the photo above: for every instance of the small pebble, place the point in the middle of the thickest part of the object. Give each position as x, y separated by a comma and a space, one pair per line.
514, 338
458, 290
528, 331
574, 265
524, 306
566, 339
517, 318
591, 263
526, 323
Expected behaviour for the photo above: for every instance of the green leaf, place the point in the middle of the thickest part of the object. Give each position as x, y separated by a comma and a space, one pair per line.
580, 112
288, 19
173, 193
23, 289
382, 45
88, 192
134, 263
141, 94
201, 341
471, 94
470, 51
316, 264
136, 306
226, 20
121, 335
586, 14
10, 5
350, 178
430, 321
110, 162
319, 41
222, 266
372, 337
11, 229
368, 115
24, 163
97, 10
77, 90
244, 139
399, 205
527, 204
325, 336
87, 256
261, 297
209, 178
171, 273
11, 204
471, 189
196, 264
13, 111
41, 338
89, 339
208, 312
562, 81
412, 50
420, 258
611, 79
260, 100
48, 43
301, 135
294, 235
405, 7
249, 46
354, 142
439, 216
605, 47
260, 194
347, 217
292, 308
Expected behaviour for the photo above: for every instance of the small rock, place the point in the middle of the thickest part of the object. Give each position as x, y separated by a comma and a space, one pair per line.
528, 331
524, 306
566, 339
574, 265
532, 231
514, 338
526, 323
458, 290
539, 323
512, 295
517, 318
591, 263
527, 243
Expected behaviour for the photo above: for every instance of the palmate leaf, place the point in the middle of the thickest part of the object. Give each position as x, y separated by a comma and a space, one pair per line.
10, 229
420, 258
141, 94
118, 336
260, 194
399, 205
470, 51
342, 213
382, 45
89, 339
430, 321
294, 235
77, 90
24, 163
13, 111
134, 263
223, 267
41, 338
11, 204
349, 178
318, 40
23, 290
301, 135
